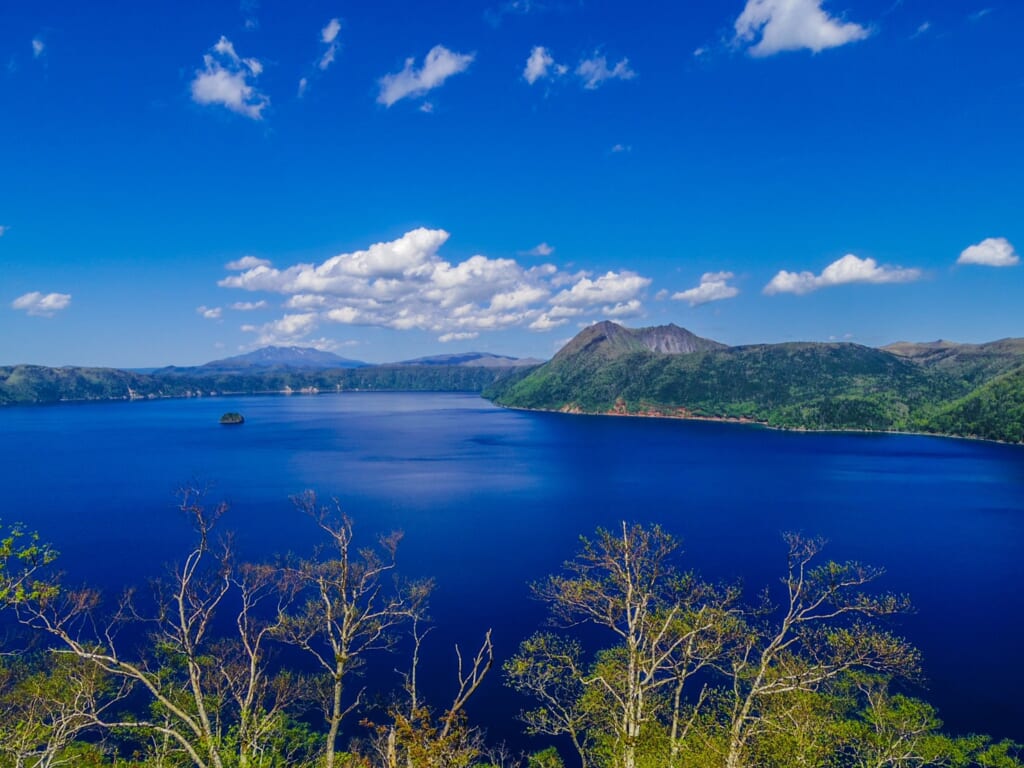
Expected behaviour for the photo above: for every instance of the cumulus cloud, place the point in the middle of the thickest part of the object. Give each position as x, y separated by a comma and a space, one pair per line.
248, 306
624, 309
594, 71
714, 286
791, 25
38, 46
210, 313
610, 288
329, 37
541, 249
406, 284
848, 269
990, 252
225, 79
541, 64
246, 262
42, 305
620, 148
286, 330
438, 66
537, 64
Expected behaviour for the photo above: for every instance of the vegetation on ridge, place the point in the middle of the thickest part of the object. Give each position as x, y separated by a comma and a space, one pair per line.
948, 389
31, 384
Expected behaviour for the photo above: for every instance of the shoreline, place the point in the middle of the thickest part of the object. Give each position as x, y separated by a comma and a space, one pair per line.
682, 413
746, 422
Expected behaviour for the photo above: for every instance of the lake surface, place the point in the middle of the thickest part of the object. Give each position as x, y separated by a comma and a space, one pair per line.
491, 500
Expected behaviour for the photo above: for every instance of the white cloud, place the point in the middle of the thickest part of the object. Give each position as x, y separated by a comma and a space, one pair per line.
546, 322
210, 313
990, 252
541, 249
619, 148
714, 286
623, 309
42, 305
848, 269
287, 330
248, 306
457, 336
38, 46
610, 288
330, 33
329, 36
594, 71
427, 108
303, 87
3, 229
438, 66
791, 25
405, 284
246, 262
541, 64
225, 80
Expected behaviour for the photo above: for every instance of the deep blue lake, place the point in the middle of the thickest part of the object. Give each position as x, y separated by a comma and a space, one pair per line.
491, 500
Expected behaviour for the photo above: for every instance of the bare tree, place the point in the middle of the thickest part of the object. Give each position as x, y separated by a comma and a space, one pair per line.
667, 623
352, 606
214, 714
416, 739
818, 638
551, 669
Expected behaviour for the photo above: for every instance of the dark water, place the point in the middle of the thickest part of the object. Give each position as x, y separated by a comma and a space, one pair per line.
491, 500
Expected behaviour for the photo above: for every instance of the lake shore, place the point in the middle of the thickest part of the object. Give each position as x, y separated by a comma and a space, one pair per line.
683, 414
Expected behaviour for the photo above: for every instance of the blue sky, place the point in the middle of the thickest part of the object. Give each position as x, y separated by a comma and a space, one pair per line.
392, 179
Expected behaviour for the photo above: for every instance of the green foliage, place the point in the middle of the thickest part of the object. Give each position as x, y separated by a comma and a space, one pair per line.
797, 386
22, 555
994, 411
546, 758
689, 676
37, 384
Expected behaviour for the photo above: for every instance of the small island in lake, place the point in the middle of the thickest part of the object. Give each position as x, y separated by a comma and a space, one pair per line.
232, 418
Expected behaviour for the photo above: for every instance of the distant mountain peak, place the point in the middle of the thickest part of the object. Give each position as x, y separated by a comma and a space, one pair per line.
283, 357
608, 339
473, 359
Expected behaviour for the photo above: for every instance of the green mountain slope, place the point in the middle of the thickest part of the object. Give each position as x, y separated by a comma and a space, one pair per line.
799, 385
39, 384
971, 364
29, 384
994, 411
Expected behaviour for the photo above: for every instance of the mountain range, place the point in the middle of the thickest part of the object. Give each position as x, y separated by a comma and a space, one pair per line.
973, 390
270, 369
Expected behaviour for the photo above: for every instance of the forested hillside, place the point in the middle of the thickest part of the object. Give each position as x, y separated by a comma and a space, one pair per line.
27, 384
946, 388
